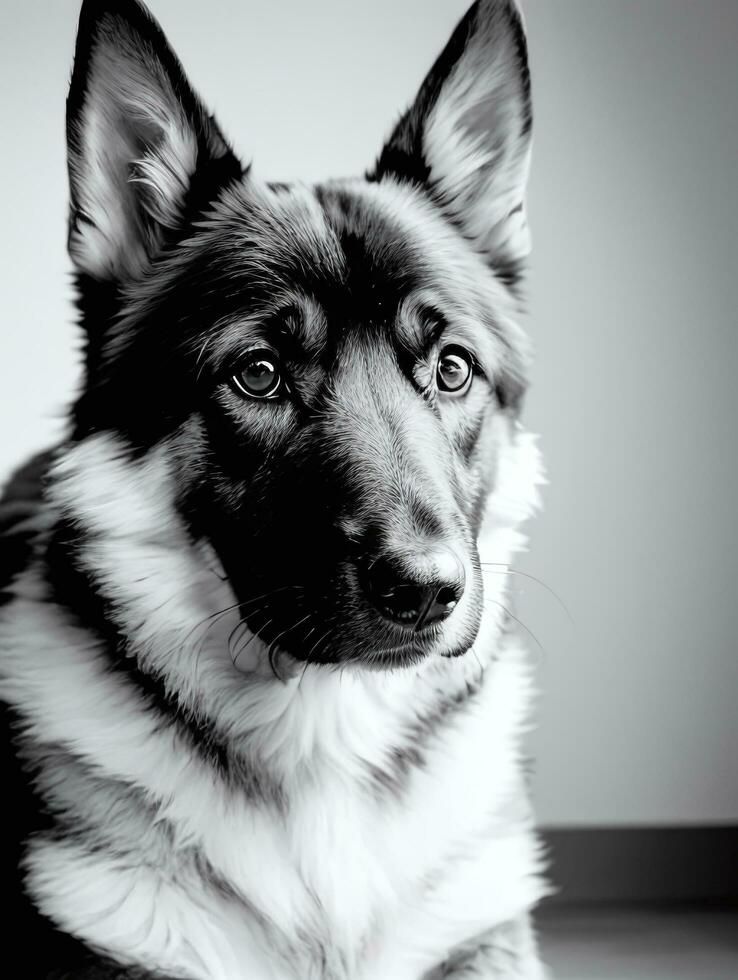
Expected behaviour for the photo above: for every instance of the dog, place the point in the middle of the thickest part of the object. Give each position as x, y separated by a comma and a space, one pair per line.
264, 695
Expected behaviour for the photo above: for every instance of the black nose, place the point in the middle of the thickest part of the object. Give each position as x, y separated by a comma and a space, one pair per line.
416, 593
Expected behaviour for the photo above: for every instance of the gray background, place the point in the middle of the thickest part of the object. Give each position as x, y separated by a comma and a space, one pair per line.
633, 297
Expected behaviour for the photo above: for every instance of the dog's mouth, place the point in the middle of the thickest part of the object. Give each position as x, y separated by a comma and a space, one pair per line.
292, 621
414, 652
324, 608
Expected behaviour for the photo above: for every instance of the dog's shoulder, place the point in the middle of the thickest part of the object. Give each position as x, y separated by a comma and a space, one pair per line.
22, 491
45, 951
21, 501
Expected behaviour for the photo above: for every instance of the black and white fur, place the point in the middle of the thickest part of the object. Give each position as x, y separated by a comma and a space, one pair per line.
227, 763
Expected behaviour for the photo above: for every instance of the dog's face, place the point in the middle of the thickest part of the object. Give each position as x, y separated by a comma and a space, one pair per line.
333, 370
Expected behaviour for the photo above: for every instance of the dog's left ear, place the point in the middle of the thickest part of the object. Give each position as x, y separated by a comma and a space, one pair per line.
466, 138
141, 147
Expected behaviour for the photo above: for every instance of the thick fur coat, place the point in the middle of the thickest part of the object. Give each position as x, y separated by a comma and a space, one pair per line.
239, 751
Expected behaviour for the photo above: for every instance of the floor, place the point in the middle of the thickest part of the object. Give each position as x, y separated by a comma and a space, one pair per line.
625, 944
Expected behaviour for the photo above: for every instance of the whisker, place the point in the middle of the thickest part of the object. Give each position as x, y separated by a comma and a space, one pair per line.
507, 570
320, 640
307, 659
213, 617
210, 619
520, 623
240, 625
275, 641
248, 642
268, 595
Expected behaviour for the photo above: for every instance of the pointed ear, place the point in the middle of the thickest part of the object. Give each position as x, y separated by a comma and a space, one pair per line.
140, 145
466, 138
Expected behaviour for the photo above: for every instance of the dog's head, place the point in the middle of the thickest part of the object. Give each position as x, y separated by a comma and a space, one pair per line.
333, 372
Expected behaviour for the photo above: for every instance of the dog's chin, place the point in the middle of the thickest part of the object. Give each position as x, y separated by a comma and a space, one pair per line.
417, 648
406, 656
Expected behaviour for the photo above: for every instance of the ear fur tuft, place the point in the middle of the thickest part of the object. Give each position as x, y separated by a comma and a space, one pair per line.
137, 137
466, 138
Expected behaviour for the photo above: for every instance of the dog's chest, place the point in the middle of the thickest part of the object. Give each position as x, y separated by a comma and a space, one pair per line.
392, 844
380, 879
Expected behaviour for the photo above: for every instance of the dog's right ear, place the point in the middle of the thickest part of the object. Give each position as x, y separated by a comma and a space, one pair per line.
141, 147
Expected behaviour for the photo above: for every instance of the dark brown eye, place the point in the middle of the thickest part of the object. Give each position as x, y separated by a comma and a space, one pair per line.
259, 375
454, 370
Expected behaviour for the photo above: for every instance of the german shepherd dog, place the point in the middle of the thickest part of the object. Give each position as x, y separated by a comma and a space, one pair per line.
263, 690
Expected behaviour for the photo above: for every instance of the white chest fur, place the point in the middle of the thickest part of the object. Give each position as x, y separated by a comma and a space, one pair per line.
351, 879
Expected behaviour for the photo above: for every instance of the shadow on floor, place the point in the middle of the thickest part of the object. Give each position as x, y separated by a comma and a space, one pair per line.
622, 943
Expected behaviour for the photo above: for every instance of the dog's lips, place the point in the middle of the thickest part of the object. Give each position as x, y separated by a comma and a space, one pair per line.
418, 647
285, 663
289, 627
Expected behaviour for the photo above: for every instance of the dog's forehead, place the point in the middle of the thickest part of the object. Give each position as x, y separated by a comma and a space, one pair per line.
316, 266
354, 248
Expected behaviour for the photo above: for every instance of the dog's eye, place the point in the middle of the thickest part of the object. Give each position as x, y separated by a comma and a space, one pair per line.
259, 375
454, 370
